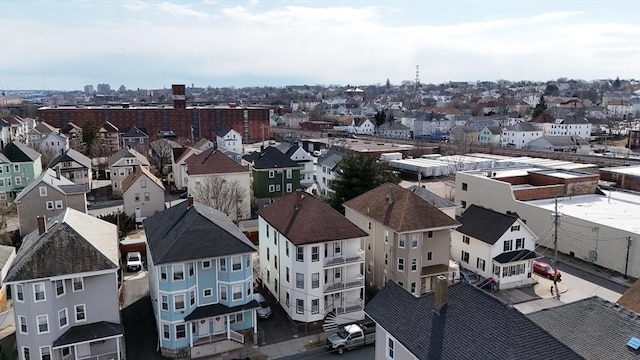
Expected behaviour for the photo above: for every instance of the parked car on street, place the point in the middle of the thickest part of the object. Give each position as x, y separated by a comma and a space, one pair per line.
546, 270
468, 276
351, 337
134, 261
265, 310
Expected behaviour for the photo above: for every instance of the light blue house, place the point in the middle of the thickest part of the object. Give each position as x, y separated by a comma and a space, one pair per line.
19, 165
200, 281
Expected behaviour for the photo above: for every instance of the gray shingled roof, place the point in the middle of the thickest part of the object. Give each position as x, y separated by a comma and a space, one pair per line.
126, 152
18, 152
431, 198
330, 160
74, 243
392, 126
592, 327
72, 155
5, 253
89, 332
270, 158
523, 126
485, 224
49, 177
473, 325
182, 232
134, 132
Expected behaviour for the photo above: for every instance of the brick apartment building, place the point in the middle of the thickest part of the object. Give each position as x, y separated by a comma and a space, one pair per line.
188, 122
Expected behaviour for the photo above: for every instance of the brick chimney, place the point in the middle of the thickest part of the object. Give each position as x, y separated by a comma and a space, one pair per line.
42, 224
440, 293
190, 200
299, 197
178, 94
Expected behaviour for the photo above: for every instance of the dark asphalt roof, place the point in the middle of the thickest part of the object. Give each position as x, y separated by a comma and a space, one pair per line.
485, 224
18, 152
88, 332
516, 255
271, 158
431, 198
72, 155
206, 311
184, 232
472, 325
592, 327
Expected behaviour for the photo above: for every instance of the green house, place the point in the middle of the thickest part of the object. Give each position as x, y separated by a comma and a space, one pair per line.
19, 164
274, 174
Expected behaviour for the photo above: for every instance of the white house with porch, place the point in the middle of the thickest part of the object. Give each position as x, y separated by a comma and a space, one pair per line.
495, 245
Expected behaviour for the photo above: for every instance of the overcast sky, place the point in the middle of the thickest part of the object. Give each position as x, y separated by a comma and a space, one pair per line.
66, 44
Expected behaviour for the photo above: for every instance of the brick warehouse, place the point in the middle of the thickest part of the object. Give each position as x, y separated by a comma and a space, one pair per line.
188, 122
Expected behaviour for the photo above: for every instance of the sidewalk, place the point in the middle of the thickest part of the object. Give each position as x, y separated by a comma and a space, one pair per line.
277, 350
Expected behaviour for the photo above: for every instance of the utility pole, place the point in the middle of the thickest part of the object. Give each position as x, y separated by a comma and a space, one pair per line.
555, 248
626, 264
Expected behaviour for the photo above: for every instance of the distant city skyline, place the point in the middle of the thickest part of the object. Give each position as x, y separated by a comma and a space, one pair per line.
64, 45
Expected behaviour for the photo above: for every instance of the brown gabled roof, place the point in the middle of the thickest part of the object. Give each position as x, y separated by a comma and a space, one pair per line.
400, 209
212, 161
631, 298
304, 219
200, 143
137, 172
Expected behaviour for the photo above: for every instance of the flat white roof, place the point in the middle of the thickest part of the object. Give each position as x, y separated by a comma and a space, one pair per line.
627, 170
621, 210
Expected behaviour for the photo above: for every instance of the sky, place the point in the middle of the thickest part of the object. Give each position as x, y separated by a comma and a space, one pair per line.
66, 44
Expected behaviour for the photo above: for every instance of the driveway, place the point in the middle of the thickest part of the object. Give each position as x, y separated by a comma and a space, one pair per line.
277, 328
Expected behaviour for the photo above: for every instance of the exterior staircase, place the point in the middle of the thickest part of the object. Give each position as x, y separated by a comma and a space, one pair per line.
330, 322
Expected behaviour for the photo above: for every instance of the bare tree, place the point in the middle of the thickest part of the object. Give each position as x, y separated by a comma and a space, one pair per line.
161, 150
226, 196
48, 154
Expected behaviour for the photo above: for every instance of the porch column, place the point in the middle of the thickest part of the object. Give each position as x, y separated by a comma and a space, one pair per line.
255, 321
229, 324
75, 352
118, 347
190, 335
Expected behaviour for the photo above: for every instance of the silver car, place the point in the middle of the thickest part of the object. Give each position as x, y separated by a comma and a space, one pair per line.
264, 312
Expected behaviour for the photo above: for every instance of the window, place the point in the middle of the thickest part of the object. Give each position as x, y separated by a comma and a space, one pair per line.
275, 261
268, 275
465, 256
18, 180
464, 186
480, 264
515, 228
315, 253
42, 190
299, 306
413, 287
289, 187
508, 245
300, 280
429, 234
369, 225
386, 236
50, 205
19, 292
178, 302
315, 306
164, 300
391, 345
278, 187
147, 196
178, 272
272, 188
62, 318
236, 263
429, 255
143, 183
463, 204
59, 288
26, 353
191, 269
223, 264
272, 175
400, 264
78, 284
181, 331
59, 204
315, 280
206, 264
43, 324
288, 299
163, 273
248, 287
519, 243
299, 253
465, 239
38, 292
386, 259
237, 292
80, 313
23, 324
223, 292
207, 292
286, 247
289, 173
414, 241
414, 264
166, 334
287, 274
45, 353
401, 241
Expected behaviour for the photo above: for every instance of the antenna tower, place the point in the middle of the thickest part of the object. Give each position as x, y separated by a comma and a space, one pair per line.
417, 77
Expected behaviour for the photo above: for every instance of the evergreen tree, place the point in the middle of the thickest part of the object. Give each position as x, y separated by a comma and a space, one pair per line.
541, 106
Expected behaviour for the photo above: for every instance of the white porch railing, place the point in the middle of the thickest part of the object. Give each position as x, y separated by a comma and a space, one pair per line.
236, 336
342, 285
346, 259
107, 356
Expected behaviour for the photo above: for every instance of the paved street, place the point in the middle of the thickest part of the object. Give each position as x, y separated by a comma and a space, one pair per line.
365, 352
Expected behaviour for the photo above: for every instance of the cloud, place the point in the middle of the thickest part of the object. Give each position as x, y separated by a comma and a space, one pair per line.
164, 7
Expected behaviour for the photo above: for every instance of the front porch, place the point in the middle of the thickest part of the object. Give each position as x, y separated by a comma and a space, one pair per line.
97, 341
513, 269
